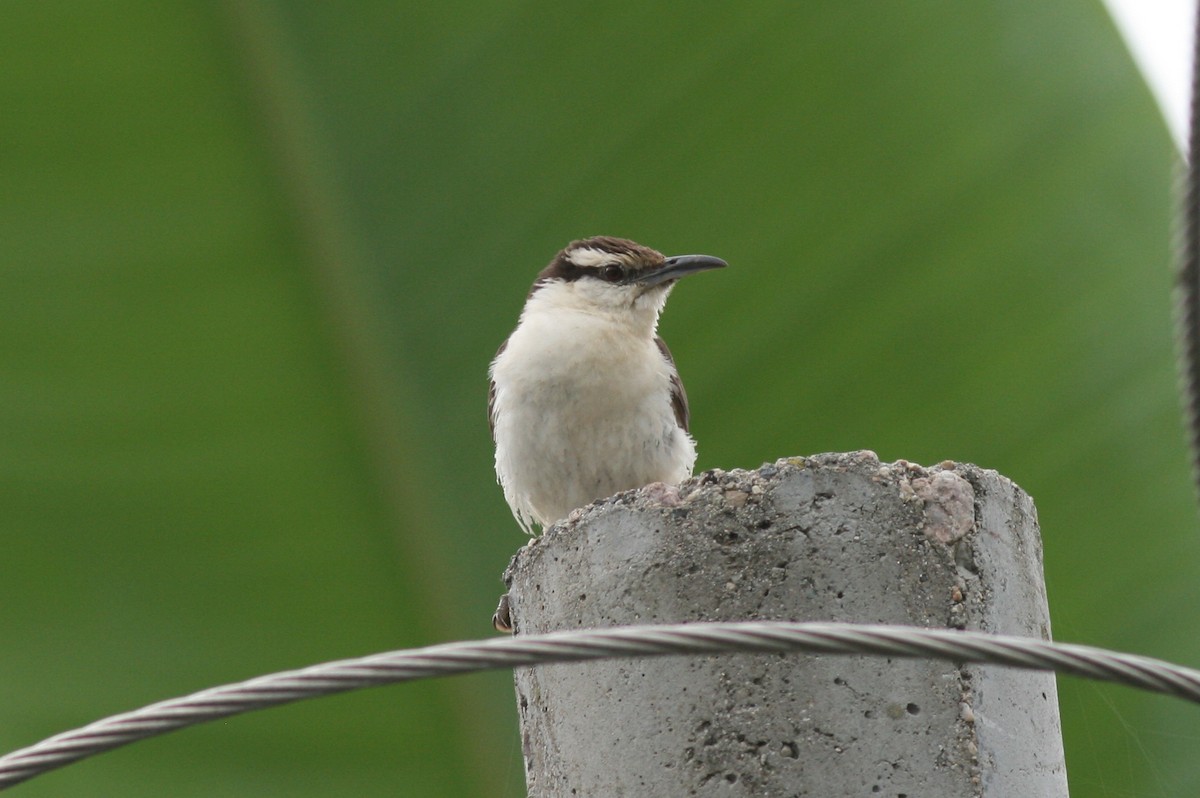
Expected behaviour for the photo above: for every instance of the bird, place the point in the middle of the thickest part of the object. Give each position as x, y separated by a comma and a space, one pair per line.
584, 398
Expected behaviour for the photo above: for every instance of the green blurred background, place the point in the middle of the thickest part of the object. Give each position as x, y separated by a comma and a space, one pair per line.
256, 258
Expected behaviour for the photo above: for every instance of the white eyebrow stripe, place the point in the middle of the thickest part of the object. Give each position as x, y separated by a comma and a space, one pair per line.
590, 257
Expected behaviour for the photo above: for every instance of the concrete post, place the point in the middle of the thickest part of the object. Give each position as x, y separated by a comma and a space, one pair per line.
835, 537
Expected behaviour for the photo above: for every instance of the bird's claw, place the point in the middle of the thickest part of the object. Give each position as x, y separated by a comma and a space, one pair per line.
502, 617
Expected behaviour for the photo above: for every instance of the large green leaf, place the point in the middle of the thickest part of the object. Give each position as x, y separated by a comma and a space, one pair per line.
258, 255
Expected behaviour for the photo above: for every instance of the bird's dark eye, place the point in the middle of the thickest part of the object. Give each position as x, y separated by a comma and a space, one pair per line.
612, 273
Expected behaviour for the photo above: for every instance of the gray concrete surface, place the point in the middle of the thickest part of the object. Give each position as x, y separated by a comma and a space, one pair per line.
837, 537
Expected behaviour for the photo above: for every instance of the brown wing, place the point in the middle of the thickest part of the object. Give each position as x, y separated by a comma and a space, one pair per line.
678, 395
492, 396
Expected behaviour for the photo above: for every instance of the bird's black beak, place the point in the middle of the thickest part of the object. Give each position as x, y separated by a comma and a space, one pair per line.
676, 267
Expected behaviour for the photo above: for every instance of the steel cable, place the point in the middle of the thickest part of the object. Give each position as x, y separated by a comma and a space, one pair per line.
631, 641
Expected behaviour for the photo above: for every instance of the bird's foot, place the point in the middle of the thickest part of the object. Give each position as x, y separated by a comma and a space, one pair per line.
502, 617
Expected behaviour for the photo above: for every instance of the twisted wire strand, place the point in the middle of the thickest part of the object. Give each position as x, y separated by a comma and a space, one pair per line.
631, 641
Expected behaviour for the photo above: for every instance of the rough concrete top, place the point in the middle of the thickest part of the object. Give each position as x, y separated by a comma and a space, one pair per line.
945, 503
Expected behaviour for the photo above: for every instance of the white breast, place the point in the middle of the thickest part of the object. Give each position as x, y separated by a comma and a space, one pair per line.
582, 411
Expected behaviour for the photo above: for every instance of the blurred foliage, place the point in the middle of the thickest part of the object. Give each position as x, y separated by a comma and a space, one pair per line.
257, 256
